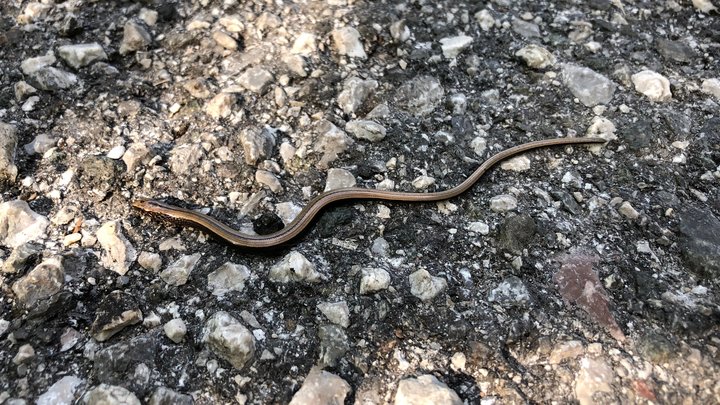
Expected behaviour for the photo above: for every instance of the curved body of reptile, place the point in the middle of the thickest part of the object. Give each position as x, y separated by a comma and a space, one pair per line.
230, 235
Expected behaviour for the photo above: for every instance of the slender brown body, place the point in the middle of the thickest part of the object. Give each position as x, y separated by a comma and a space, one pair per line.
224, 232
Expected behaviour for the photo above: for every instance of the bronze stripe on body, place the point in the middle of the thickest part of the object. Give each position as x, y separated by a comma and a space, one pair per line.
230, 235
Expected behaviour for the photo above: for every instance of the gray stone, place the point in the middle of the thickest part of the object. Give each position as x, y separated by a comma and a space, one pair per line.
20, 256
81, 55
257, 144
32, 65
8, 143
700, 242
135, 38
19, 224
676, 51
269, 180
175, 329
525, 28
150, 261
333, 344
503, 203
321, 388
119, 253
355, 92
453, 46
229, 339
255, 79
590, 87
41, 283
347, 42
331, 142
595, 376
52, 79
339, 178
510, 292
221, 105
425, 390
653, 85
420, 96
366, 129
516, 233
373, 280
105, 394
536, 56
294, 268
41, 144
425, 286
228, 277
178, 272
62, 392
186, 157
336, 312
166, 396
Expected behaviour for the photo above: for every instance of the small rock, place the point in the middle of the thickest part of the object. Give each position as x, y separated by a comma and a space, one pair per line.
503, 203
510, 292
179, 271
225, 40
525, 28
590, 87
700, 242
653, 85
566, 350
536, 57
478, 227
135, 38
115, 312
41, 144
257, 144
347, 42
25, 352
229, 339
8, 144
333, 344
337, 312
304, 44
453, 46
373, 280
105, 394
365, 129
331, 142
294, 268
420, 96
228, 277
19, 224
81, 55
255, 79
674, 50
339, 178
425, 390
627, 210
32, 65
269, 179
321, 388
175, 329
116, 152
424, 286
516, 164
355, 92
197, 88
595, 376
221, 105
485, 20
149, 17
423, 182
516, 233
478, 145
23, 90
166, 396
69, 339
119, 253
29, 104
20, 256
296, 65
712, 87
34, 11
150, 261
400, 31
62, 392
52, 79
705, 6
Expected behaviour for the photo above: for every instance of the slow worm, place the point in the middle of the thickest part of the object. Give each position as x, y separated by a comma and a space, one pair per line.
230, 235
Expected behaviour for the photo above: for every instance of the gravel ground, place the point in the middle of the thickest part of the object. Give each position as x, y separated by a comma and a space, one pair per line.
568, 275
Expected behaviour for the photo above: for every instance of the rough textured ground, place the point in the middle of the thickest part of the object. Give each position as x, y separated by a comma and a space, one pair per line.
577, 274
